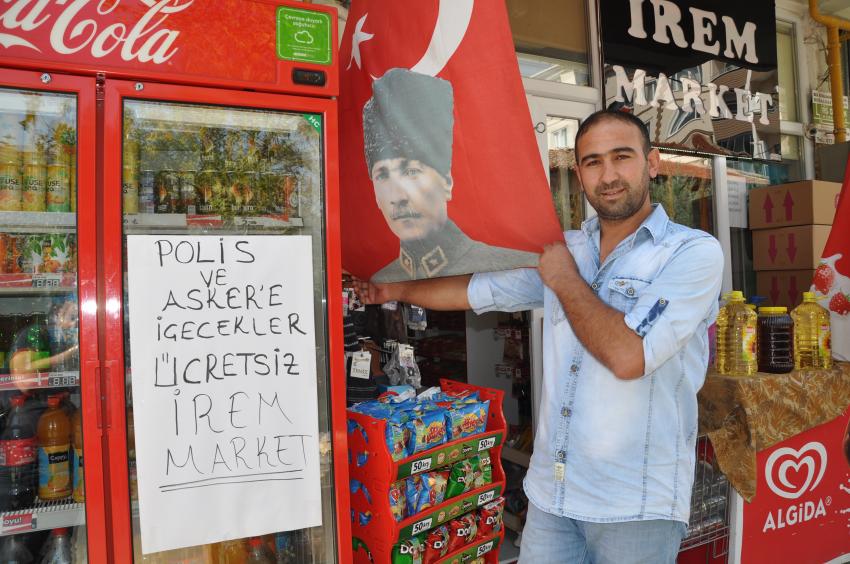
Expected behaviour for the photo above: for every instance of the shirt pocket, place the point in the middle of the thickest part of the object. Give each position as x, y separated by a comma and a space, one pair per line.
623, 292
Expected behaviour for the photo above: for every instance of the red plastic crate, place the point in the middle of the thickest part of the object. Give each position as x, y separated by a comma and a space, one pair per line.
374, 529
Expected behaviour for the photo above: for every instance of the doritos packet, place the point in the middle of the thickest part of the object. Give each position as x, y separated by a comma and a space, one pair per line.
462, 531
490, 518
409, 551
436, 544
462, 477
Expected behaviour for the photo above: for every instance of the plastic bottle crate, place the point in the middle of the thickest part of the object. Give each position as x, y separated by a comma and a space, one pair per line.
374, 529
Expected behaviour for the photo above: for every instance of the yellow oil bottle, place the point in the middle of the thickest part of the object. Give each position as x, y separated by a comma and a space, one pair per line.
812, 336
736, 337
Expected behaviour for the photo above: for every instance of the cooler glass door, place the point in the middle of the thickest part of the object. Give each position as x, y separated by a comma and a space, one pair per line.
51, 509
228, 412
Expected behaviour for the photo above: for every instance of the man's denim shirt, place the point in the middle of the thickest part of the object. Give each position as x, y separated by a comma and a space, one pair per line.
608, 449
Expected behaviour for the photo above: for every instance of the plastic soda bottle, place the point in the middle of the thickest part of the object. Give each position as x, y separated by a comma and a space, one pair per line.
54, 438
17, 459
58, 550
812, 335
258, 553
736, 337
77, 474
13, 550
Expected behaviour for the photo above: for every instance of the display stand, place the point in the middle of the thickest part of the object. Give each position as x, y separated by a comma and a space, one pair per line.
374, 529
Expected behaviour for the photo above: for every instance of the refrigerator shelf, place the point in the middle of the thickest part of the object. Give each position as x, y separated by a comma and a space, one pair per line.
45, 515
148, 221
41, 380
38, 222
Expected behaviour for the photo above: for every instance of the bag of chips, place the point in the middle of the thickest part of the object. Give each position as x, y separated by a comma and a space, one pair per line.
462, 477
398, 500
467, 419
436, 544
426, 430
490, 518
461, 531
484, 473
409, 551
397, 434
425, 491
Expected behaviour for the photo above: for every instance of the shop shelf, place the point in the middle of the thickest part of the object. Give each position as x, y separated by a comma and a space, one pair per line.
37, 222
45, 515
30, 381
373, 525
27, 284
146, 222
487, 548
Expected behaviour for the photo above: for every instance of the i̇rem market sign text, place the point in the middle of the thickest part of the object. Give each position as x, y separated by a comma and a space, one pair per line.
700, 73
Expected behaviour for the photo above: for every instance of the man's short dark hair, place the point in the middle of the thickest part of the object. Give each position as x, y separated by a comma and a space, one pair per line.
617, 115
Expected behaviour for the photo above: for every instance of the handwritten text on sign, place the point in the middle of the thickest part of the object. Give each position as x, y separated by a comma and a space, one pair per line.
222, 341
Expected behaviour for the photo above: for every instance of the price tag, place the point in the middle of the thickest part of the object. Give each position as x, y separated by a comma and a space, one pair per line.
422, 525
46, 280
420, 466
485, 548
405, 356
361, 365
486, 497
487, 443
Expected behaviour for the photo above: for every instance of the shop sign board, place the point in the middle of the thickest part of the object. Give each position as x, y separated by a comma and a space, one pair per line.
223, 351
702, 74
801, 511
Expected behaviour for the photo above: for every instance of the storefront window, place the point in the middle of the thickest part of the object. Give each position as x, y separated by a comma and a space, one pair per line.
566, 193
551, 39
684, 187
787, 64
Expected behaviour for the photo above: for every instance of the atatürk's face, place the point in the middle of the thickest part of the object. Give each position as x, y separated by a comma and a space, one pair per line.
412, 196
615, 170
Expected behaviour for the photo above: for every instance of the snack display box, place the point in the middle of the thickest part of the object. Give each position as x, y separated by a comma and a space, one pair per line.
373, 471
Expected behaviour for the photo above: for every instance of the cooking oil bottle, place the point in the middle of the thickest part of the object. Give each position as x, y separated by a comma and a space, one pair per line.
812, 346
736, 337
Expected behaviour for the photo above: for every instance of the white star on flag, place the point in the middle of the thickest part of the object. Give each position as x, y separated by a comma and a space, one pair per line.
358, 37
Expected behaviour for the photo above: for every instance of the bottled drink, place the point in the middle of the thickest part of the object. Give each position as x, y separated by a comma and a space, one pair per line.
37, 341
58, 548
58, 189
54, 438
13, 550
812, 336
775, 340
167, 191
17, 459
130, 176
736, 337
33, 189
258, 553
147, 192
205, 187
10, 178
188, 197
77, 473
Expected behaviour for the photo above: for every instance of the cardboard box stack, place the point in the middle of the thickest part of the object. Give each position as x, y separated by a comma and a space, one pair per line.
790, 224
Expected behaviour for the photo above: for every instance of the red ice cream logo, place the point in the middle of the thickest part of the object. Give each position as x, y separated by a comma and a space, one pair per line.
791, 473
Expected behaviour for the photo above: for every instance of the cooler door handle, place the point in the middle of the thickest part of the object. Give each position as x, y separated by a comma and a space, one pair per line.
109, 365
94, 372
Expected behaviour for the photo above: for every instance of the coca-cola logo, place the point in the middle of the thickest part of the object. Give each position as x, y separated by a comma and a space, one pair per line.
790, 473
145, 40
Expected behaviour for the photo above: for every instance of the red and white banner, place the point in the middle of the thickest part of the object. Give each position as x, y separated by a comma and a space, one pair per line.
832, 277
440, 171
801, 511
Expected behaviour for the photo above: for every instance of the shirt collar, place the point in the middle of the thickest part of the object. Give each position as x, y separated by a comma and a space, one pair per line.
655, 224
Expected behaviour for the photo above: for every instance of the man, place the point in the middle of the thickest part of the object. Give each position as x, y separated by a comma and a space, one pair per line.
628, 301
407, 128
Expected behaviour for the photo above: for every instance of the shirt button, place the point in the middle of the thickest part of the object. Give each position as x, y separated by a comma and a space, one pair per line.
565, 412
574, 368
561, 455
630, 291
595, 286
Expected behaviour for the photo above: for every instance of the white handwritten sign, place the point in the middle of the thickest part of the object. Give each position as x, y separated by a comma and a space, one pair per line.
222, 341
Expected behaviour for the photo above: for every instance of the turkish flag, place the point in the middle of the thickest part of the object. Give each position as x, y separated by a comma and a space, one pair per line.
832, 277
440, 170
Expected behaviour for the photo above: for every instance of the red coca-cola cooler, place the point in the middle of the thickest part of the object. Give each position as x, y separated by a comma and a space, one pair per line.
172, 387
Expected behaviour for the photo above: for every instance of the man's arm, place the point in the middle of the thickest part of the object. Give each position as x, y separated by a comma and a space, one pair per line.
600, 328
441, 294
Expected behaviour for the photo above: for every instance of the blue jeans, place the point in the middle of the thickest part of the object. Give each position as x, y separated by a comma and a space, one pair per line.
548, 538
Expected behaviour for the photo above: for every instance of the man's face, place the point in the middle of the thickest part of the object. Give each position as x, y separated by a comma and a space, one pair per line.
412, 196
613, 169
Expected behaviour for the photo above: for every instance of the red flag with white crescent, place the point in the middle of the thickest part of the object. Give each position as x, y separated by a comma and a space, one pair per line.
832, 277
440, 170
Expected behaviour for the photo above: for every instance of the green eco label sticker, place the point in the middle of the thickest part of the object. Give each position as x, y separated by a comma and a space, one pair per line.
314, 120
303, 35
